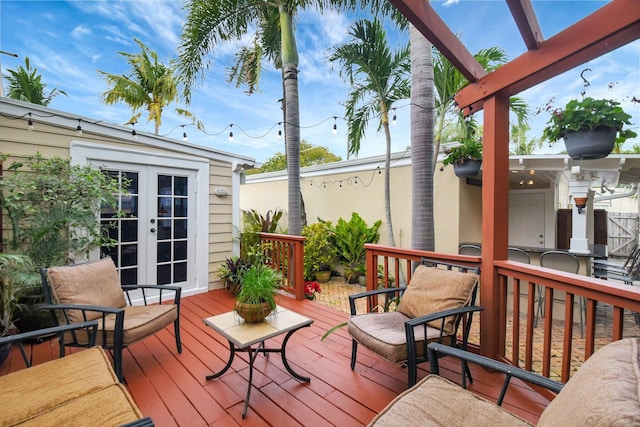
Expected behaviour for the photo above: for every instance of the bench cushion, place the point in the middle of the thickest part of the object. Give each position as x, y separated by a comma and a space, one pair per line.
604, 391
30, 392
435, 401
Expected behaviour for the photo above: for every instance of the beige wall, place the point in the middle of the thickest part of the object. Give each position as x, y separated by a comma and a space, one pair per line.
331, 196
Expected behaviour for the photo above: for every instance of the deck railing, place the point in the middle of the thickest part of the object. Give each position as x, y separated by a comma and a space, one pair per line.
609, 309
285, 254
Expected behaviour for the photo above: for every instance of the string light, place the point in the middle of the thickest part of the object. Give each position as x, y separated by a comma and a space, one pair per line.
395, 118
279, 131
335, 126
184, 135
79, 128
134, 134
231, 133
30, 123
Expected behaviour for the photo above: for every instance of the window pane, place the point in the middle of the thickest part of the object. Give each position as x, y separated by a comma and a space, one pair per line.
164, 184
180, 250
164, 274
180, 185
129, 230
129, 276
180, 229
129, 255
164, 252
164, 229
180, 272
164, 206
180, 207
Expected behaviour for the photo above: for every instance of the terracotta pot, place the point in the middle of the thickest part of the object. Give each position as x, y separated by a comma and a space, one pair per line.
590, 144
253, 313
5, 350
467, 168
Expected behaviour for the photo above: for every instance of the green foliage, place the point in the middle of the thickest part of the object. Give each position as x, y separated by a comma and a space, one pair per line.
588, 114
231, 271
259, 284
25, 84
253, 222
53, 208
470, 147
310, 155
17, 277
319, 250
350, 238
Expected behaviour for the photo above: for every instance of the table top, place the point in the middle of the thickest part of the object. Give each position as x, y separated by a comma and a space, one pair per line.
243, 334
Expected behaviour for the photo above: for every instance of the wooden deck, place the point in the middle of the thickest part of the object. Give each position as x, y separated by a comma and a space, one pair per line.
172, 389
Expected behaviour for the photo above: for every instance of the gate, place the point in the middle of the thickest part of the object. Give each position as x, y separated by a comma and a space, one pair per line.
622, 233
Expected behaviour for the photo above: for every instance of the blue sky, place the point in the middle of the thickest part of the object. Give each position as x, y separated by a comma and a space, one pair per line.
70, 40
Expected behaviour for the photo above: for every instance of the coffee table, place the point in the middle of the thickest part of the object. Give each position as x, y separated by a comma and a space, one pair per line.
244, 336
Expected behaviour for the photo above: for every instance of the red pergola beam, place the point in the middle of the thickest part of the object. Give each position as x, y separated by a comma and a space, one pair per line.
527, 22
608, 28
428, 22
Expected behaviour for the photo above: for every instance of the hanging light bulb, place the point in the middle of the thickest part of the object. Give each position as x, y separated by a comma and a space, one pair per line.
30, 123
184, 134
231, 133
279, 131
79, 128
395, 118
134, 134
335, 126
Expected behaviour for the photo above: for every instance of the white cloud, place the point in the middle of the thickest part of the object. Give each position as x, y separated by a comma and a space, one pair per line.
80, 31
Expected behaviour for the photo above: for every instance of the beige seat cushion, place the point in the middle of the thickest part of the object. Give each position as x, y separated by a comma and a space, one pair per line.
603, 392
53, 383
112, 406
432, 290
91, 283
384, 333
140, 321
435, 401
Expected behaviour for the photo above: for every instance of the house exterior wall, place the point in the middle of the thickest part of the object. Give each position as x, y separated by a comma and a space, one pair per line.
55, 132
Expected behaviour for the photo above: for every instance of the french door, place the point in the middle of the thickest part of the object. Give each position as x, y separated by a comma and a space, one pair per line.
155, 232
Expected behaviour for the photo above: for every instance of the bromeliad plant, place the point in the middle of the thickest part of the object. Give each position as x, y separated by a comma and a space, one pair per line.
589, 113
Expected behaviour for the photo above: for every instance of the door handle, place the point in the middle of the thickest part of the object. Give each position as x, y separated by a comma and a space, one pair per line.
153, 230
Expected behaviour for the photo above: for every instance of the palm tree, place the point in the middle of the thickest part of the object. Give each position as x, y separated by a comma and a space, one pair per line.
26, 84
210, 22
150, 84
378, 78
522, 145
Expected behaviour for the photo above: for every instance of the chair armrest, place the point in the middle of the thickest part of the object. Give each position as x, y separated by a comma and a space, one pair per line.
383, 291
55, 330
163, 289
142, 422
417, 321
437, 350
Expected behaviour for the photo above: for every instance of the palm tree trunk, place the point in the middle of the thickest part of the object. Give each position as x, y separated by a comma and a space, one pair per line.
387, 176
422, 142
292, 123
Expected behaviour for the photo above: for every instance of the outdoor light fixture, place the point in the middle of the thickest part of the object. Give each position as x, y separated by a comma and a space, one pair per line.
184, 134
134, 134
279, 131
335, 126
581, 203
395, 119
231, 133
30, 123
79, 128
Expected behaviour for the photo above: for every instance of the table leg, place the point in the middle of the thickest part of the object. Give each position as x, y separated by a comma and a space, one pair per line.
232, 353
253, 353
284, 359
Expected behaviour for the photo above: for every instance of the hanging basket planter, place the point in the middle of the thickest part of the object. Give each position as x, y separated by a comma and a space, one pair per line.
467, 168
590, 144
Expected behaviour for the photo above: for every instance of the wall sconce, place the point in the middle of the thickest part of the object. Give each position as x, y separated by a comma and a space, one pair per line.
221, 192
581, 203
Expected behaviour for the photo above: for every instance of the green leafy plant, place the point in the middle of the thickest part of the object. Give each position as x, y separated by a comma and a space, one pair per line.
589, 113
52, 208
231, 271
253, 223
469, 149
319, 251
350, 238
259, 285
17, 277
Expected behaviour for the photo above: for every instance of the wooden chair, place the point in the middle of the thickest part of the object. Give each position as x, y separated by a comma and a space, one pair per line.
92, 291
439, 298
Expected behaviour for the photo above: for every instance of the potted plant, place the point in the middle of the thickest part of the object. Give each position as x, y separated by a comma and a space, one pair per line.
465, 157
256, 298
231, 272
590, 128
319, 253
349, 237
